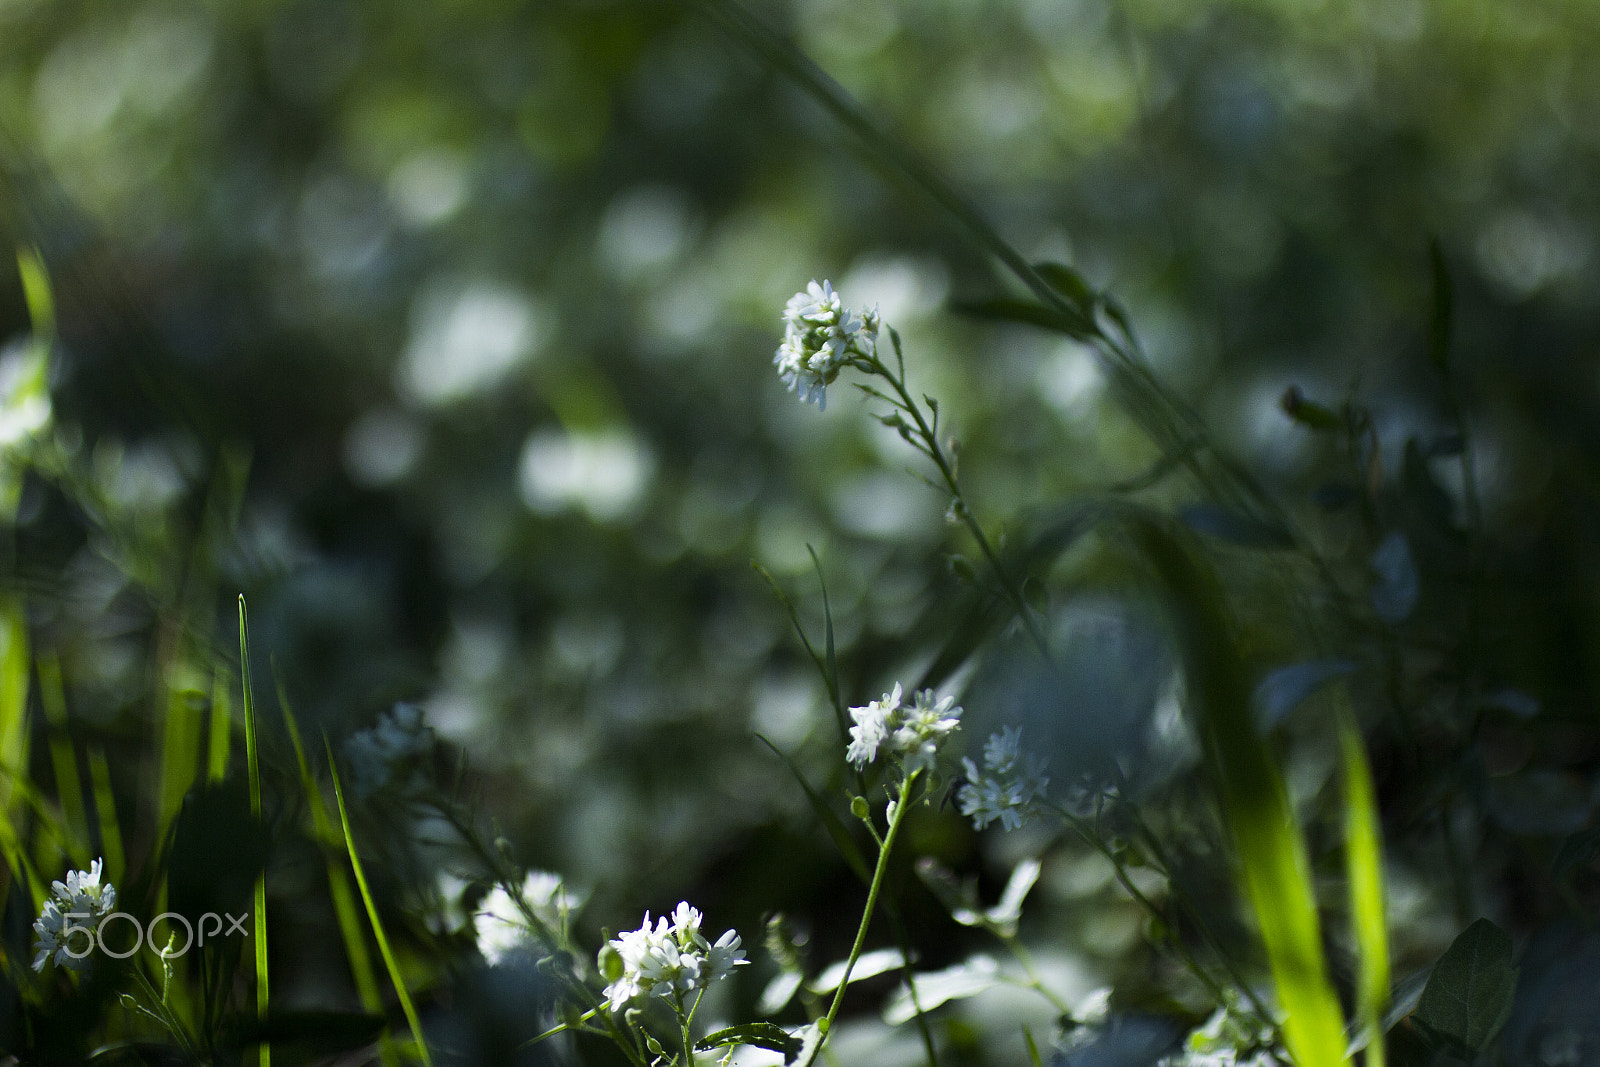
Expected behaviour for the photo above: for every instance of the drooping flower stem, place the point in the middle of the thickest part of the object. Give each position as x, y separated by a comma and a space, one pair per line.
902, 805
928, 444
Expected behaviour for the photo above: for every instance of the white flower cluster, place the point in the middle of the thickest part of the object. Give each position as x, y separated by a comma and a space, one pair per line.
911, 732
391, 752
673, 959
1229, 1038
820, 335
24, 395
1006, 787
79, 903
501, 929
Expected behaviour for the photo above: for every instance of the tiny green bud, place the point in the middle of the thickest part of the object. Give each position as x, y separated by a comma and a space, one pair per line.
609, 963
822, 1026
859, 808
653, 1045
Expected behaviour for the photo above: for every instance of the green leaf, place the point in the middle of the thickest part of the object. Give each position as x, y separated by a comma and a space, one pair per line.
1577, 849
1008, 309
769, 1036
834, 825
1070, 284
1468, 996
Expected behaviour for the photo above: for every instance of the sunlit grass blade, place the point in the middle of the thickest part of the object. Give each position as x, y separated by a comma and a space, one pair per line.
1268, 841
180, 738
220, 734
389, 961
344, 905
14, 736
253, 758
36, 291
105, 809
63, 758
1364, 872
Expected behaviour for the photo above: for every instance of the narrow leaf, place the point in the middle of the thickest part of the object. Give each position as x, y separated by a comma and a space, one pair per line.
1364, 873
389, 961
769, 1036
836, 829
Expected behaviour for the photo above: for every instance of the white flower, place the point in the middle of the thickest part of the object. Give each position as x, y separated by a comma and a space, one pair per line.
24, 395
820, 337
872, 727
925, 726
78, 903
501, 929
1006, 787
390, 752
912, 733
671, 959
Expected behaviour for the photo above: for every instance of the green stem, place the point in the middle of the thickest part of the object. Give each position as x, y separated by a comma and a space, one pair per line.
932, 449
1025, 958
901, 807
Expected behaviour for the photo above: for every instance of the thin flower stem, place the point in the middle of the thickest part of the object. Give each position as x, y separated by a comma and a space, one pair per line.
900, 809
931, 448
1025, 958
1093, 840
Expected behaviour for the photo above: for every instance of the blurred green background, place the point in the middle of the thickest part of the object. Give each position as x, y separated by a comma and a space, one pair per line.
484, 295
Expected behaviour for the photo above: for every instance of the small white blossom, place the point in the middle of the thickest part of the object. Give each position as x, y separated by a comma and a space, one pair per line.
872, 726
389, 753
911, 733
79, 902
672, 959
820, 337
1230, 1038
1006, 787
503, 931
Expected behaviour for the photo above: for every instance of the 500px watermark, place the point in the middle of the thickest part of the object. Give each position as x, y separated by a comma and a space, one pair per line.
145, 934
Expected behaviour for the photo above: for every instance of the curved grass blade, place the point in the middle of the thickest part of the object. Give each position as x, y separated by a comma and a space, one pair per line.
1364, 872
1269, 843
253, 758
841, 837
389, 961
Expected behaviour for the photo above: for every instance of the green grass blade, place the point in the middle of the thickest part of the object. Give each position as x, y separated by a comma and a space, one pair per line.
832, 823
253, 758
180, 739
220, 734
1270, 846
63, 759
36, 291
1364, 872
344, 905
389, 961
105, 808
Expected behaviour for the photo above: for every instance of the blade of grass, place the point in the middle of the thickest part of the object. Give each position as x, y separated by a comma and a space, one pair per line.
105, 809
389, 961
831, 822
253, 758
1268, 841
1364, 872
180, 739
63, 758
344, 906
220, 734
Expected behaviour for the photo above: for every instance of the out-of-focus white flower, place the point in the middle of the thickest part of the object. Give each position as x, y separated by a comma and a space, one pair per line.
912, 733
24, 395
672, 959
1230, 1038
503, 931
79, 902
820, 336
390, 752
1006, 787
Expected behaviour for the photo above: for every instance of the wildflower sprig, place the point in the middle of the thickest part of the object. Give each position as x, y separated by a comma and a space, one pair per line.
822, 337
77, 903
